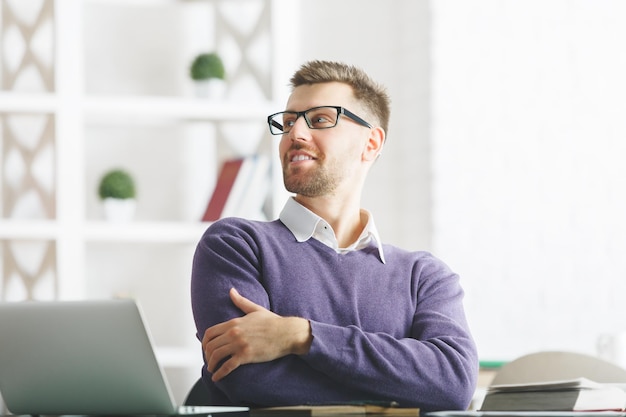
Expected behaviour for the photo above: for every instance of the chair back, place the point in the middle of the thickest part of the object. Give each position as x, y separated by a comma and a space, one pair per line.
557, 365
198, 394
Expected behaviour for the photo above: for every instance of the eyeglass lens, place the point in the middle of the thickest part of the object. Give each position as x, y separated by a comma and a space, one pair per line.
316, 118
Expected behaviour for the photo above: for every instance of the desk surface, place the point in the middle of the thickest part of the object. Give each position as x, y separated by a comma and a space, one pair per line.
461, 414
527, 414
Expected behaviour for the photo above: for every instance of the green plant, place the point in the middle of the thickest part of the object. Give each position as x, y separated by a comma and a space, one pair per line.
116, 183
207, 65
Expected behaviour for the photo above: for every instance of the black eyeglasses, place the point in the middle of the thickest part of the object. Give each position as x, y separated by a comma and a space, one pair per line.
321, 117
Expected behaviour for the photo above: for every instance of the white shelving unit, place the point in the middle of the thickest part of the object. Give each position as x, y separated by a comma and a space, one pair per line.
147, 132
186, 109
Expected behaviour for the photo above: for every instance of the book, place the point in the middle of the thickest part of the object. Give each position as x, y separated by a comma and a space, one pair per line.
334, 410
241, 189
257, 190
225, 181
580, 394
248, 199
232, 207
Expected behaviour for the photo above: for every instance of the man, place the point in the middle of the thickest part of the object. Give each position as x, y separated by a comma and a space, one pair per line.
312, 308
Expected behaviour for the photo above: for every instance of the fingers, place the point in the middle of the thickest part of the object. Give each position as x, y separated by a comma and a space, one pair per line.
231, 363
226, 345
243, 303
214, 355
211, 333
226, 368
225, 352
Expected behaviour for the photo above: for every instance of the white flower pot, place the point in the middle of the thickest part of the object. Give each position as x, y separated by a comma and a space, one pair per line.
213, 88
118, 210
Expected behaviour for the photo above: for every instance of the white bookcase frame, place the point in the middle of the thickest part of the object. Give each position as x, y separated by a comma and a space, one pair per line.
71, 231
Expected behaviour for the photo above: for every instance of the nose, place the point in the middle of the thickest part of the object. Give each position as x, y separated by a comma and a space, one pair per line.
300, 130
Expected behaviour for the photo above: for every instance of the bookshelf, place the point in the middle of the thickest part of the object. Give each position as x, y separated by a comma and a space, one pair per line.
139, 113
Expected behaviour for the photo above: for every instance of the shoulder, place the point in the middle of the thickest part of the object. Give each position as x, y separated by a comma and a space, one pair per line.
422, 258
240, 225
424, 265
233, 229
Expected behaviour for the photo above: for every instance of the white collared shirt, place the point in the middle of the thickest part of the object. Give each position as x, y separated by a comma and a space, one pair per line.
304, 224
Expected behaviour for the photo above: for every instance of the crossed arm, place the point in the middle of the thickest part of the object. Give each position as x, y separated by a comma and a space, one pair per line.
306, 335
258, 336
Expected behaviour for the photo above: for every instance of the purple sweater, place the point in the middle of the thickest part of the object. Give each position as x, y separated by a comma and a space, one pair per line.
393, 332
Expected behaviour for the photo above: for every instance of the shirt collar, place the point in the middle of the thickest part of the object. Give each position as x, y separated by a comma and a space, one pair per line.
304, 224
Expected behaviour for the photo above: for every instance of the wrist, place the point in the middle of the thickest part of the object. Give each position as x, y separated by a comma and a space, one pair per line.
302, 336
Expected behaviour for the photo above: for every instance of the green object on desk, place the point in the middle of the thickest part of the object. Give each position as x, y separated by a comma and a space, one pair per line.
491, 364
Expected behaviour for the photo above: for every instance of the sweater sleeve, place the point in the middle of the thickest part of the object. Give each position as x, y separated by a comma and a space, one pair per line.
226, 258
435, 368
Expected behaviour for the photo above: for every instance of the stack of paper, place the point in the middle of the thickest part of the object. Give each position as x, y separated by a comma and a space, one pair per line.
579, 394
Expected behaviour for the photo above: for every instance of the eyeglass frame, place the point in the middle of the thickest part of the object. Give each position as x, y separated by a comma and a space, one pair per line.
340, 110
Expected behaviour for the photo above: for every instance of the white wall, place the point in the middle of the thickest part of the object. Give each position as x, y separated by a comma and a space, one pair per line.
390, 41
528, 167
505, 155
505, 152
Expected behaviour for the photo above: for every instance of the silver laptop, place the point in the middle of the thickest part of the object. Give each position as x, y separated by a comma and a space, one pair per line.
83, 357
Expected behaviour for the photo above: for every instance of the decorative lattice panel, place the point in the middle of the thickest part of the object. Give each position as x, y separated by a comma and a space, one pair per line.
29, 270
28, 45
27, 145
28, 159
244, 40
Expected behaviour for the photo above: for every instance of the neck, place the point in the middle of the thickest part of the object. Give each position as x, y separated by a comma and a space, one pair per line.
343, 215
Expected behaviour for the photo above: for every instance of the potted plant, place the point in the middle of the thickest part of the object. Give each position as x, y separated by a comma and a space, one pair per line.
117, 192
207, 72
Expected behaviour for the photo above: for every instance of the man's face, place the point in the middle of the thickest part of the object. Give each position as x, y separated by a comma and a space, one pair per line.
318, 162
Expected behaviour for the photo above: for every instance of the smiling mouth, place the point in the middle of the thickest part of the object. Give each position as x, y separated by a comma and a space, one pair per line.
298, 158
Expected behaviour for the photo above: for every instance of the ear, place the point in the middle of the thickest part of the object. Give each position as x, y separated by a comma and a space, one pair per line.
374, 145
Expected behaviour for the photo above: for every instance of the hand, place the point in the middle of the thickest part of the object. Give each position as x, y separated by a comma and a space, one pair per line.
259, 336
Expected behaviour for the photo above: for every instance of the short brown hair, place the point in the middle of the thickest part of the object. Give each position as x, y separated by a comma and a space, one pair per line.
373, 95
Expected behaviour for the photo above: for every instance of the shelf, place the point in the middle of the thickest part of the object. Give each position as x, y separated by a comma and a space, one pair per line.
28, 229
177, 108
148, 107
27, 103
117, 93
145, 232
100, 231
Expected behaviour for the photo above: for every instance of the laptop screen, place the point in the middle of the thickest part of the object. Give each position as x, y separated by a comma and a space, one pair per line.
79, 357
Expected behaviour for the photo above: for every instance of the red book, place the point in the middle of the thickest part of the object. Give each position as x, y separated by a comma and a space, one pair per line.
223, 186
